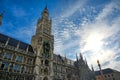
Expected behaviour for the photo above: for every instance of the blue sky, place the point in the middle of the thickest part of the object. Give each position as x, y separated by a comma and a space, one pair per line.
87, 26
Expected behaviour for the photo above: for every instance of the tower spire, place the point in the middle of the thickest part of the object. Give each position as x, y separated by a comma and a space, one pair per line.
86, 61
92, 68
81, 57
45, 13
76, 57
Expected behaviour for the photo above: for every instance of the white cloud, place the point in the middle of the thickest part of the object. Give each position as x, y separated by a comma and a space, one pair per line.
58, 46
19, 12
106, 11
94, 37
73, 8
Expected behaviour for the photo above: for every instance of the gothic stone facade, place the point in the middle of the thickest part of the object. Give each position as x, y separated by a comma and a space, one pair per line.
16, 59
21, 61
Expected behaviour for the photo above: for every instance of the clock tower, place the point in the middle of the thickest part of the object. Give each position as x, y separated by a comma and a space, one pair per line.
42, 43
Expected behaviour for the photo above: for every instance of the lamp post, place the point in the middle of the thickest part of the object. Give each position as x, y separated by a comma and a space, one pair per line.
100, 70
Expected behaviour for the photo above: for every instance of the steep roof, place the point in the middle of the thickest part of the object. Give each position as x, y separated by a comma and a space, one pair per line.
106, 71
61, 59
58, 58
14, 42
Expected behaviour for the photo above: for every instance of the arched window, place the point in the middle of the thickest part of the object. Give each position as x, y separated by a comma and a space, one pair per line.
46, 63
45, 78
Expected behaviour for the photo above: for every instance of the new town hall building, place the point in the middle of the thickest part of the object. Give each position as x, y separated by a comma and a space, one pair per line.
36, 61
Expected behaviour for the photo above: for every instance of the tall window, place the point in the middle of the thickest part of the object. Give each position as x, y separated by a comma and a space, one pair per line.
1, 54
16, 67
4, 65
8, 56
46, 63
24, 69
19, 58
29, 61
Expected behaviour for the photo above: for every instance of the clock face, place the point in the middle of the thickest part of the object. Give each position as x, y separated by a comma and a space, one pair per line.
46, 49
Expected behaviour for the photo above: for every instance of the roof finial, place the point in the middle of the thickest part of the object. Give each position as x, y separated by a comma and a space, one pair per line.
100, 69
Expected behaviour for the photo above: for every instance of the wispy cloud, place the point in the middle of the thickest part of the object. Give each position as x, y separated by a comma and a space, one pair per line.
18, 12
80, 27
100, 32
71, 9
94, 37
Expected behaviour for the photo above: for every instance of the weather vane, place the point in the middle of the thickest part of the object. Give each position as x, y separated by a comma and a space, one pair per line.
1, 16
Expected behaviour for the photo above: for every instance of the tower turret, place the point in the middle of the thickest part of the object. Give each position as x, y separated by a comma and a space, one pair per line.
44, 23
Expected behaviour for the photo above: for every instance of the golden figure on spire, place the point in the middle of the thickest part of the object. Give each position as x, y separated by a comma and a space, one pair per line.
100, 69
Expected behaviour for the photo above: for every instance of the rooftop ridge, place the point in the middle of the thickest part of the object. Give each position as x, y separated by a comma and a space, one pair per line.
14, 38
106, 71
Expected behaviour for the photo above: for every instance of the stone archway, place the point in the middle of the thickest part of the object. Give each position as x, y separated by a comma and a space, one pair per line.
45, 78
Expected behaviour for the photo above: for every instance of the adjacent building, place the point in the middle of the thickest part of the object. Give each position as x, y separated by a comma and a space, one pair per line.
108, 74
37, 61
16, 59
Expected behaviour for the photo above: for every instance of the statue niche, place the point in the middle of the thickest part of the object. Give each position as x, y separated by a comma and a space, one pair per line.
46, 49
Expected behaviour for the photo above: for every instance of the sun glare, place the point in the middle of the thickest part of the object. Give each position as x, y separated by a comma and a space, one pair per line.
94, 42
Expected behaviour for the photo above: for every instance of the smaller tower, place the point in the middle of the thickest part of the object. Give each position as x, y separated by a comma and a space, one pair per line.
81, 57
45, 13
